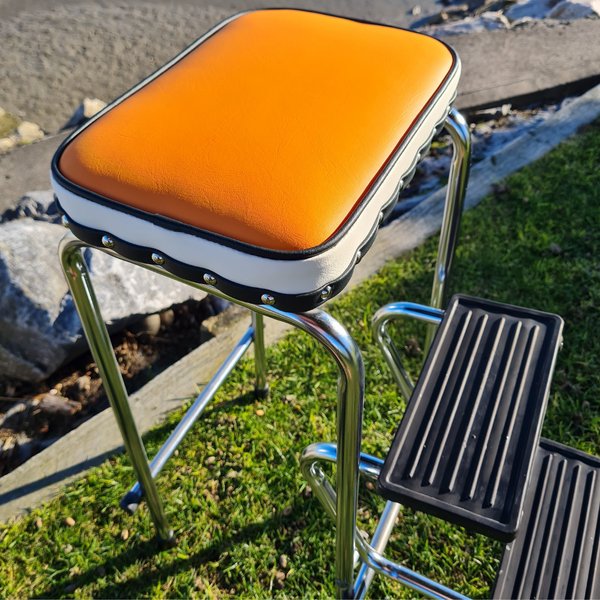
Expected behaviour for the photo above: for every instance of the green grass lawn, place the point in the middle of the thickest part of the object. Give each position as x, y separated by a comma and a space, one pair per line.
237, 516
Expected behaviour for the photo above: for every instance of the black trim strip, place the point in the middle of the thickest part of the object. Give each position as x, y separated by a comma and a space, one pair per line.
178, 226
295, 303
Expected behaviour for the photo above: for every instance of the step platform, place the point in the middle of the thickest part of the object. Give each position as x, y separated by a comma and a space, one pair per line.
466, 445
556, 553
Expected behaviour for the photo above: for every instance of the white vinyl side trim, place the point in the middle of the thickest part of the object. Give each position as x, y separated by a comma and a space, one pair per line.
284, 276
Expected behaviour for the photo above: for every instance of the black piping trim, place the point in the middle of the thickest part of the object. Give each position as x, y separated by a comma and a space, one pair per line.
295, 303
178, 226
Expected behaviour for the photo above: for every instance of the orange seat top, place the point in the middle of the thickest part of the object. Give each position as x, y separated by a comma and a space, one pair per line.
269, 132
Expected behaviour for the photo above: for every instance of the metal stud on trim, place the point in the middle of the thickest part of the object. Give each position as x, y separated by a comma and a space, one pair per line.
267, 299
107, 242
326, 293
157, 259
209, 279
65, 222
358, 257
380, 217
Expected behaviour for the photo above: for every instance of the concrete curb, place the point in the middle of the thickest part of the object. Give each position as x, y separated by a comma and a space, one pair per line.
40, 478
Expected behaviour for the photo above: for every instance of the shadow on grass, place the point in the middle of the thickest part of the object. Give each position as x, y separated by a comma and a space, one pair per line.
139, 585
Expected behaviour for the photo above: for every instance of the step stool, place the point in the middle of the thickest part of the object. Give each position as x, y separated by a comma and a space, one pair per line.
257, 166
468, 450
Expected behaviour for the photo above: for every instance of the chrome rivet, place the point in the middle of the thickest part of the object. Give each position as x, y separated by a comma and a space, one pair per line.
107, 242
65, 222
209, 279
267, 299
401, 184
326, 293
358, 257
157, 259
380, 217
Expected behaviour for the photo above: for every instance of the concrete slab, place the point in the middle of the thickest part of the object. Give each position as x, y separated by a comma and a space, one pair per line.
535, 61
27, 169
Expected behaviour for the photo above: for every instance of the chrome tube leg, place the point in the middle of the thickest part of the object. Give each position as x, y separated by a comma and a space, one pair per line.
351, 387
80, 284
261, 389
379, 542
458, 129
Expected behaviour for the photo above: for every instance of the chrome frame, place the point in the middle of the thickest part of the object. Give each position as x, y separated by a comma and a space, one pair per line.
371, 555
317, 323
456, 191
341, 506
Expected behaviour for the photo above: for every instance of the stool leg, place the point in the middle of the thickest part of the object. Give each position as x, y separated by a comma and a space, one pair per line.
351, 388
80, 284
261, 389
458, 129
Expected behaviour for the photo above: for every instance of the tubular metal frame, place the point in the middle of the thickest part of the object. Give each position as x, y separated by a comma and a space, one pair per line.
371, 555
456, 191
342, 506
317, 323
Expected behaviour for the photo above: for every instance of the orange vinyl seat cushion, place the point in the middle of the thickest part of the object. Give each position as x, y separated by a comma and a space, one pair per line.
269, 132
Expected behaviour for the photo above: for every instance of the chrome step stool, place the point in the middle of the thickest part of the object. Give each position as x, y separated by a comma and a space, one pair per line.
468, 450
299, 131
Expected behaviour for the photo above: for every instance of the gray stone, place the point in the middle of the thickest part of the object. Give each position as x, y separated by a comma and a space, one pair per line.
563, 10
488, 21
39, 327
39, 205
86, 110
529, 9
568, 10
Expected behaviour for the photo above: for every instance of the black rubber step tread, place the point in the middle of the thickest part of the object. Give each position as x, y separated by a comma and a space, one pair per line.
466, 444
556, 552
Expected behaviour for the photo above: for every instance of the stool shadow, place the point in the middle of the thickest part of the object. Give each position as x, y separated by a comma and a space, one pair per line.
136, 586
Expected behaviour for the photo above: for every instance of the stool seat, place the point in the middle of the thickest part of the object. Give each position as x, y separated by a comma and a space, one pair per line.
261, 159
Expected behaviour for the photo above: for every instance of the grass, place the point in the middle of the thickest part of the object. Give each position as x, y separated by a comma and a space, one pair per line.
235, 517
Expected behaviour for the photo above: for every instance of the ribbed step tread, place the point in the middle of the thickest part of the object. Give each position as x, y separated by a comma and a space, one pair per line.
555, 555
466, 445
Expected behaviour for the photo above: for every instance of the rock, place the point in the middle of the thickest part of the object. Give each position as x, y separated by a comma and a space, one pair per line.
280, 579
529, 9
260, 413
28, 132
6, 144
488, 21
25, 133
210, 460
283, 561
14, 410
167, 317
555, 249
69, 521
39, 326
86, 110
124, 534
231, 475
57, 405
287, 511
40, 206
149, 325
69, 589
39, 523
416, 11
83, 383
569, 10
564, 10
8, 123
